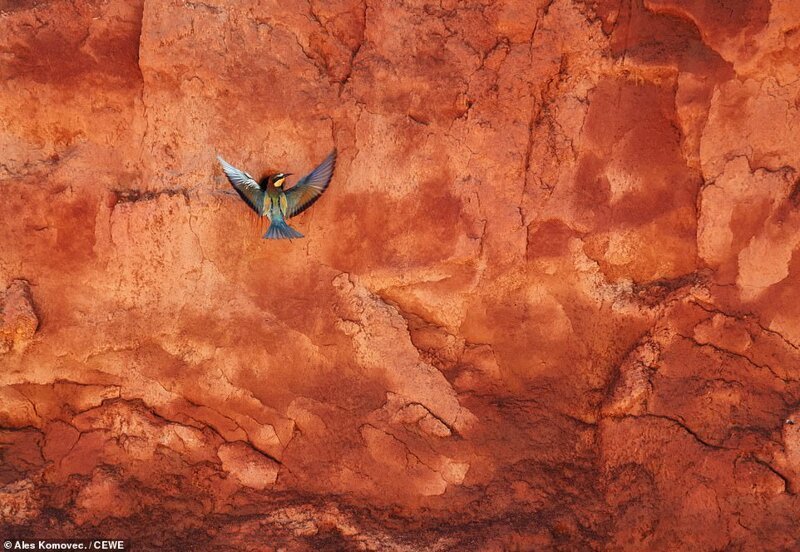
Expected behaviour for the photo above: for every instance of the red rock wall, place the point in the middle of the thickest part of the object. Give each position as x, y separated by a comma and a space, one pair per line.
549, 301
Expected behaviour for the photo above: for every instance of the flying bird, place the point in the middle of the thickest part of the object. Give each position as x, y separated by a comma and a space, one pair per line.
268, 197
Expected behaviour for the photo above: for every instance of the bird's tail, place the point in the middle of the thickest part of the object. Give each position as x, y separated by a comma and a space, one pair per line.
279, 230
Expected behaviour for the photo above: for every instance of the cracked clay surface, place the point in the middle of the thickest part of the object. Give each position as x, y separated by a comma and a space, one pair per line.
550, 300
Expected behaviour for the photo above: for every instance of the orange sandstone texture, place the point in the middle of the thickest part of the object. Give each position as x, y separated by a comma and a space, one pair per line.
549, 301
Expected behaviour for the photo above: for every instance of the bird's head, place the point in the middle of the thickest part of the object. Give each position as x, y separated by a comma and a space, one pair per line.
278, 179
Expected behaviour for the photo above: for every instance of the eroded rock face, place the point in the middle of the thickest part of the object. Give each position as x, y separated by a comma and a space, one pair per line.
549, 301
18, 320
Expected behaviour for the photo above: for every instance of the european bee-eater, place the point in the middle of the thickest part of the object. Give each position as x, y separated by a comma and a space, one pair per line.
268, 198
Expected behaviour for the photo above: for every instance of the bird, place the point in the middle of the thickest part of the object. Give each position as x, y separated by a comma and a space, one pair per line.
269, 198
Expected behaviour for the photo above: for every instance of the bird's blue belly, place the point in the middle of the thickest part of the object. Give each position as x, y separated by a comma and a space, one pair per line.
275, 211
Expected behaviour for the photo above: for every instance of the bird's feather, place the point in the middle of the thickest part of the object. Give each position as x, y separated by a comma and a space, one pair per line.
279, 230
245, 185
284, 204
309, 188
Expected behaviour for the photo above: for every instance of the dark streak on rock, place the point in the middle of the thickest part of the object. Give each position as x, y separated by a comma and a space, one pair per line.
134, 196
794, 196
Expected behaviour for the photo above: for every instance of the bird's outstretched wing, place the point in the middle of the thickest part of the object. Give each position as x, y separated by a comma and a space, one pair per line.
309, 188
244, 184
